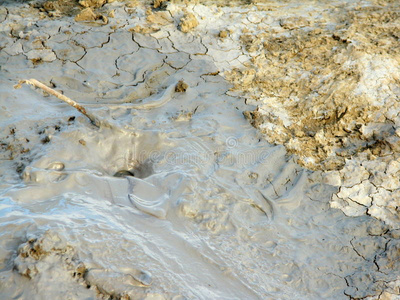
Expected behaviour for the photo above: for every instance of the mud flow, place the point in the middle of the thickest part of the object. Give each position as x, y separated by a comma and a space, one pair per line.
248, 150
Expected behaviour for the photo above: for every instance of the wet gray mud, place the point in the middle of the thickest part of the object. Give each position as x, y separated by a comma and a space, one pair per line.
182, 198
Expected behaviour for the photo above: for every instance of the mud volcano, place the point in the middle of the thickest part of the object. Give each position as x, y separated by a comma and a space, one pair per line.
250, 150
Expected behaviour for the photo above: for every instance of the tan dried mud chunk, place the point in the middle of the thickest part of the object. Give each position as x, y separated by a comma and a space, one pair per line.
223, 34
92, 3
254, 117
132, 4
37, 252
181, 87
159, 17
65, 7
50, 5
143, 30
294, 22
317, 90
87, 15
159, 3
188, 22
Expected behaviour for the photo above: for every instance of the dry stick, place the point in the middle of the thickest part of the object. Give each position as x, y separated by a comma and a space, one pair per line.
95, 121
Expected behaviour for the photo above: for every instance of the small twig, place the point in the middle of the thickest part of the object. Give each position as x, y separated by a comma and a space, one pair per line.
95, 121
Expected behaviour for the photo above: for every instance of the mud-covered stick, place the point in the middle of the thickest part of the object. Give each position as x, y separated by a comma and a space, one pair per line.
95, 121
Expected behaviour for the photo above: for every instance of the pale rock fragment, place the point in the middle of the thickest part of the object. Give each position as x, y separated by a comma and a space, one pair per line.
393, 167
92, 39
14, 49
368, 246
389, 182
349, 208
146, 41
220, 56
385, 206
381, 197
386, 295
177, 60
3, 14
111, 282
353, 173
395, 234
36, 43
332, 178
5, 41
390, 259
57, 38
375, 130
166, 46
359, 193
235, 63
161, 34
187, 43
243, 59
398, 131
69, 51
376, 228
45, 55
255, 17
203, 64
364, 283
392, 112
373, 166
381, 214
394, 142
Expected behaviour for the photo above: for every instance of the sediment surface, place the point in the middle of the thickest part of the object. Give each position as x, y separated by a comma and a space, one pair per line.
250, 152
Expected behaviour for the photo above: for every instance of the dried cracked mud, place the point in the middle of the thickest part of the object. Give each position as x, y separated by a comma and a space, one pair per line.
181, 197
